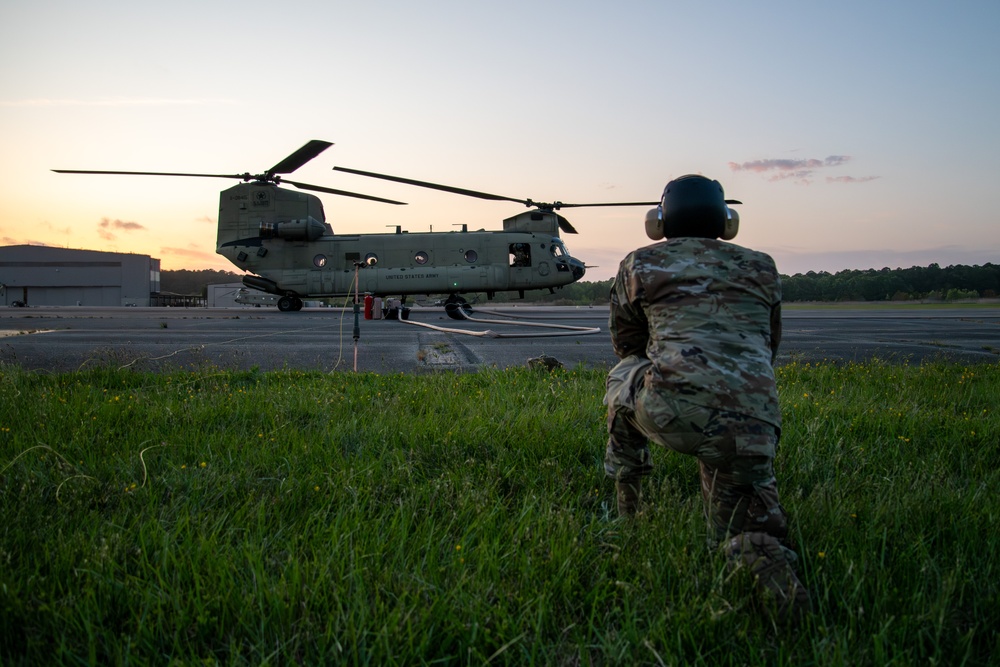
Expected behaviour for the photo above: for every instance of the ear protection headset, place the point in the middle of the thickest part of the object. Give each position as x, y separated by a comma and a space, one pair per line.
693, 206
732, 226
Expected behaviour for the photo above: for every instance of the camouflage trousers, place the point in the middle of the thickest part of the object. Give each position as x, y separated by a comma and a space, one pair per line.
735, 452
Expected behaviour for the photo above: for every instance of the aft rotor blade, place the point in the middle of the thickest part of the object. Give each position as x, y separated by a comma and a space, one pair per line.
150, 173
345, 193
434, 186
300, 157
241, 177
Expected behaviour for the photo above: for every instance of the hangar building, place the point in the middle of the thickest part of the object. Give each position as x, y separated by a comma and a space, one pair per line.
47, 276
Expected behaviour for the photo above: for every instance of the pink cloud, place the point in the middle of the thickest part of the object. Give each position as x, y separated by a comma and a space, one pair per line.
10, 240
106, 225
799, 171
787, 165
120, 224
850, 179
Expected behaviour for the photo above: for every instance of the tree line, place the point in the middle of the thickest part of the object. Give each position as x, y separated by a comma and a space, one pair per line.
932, 283
195, 283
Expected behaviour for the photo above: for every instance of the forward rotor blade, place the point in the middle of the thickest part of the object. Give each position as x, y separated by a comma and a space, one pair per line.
559, 204
564, 225
434, 186
345, 193
630, 203
300, 157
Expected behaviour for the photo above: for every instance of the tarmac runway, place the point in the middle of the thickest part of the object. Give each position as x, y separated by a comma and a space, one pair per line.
60, 339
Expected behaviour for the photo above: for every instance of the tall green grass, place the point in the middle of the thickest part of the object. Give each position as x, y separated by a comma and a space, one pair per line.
276, 518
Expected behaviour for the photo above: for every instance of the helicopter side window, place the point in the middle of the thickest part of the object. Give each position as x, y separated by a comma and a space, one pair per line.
520, 254
471, 256
371, 259
319, 261
421, 257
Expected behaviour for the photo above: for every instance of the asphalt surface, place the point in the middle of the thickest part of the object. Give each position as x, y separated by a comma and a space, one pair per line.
65, 339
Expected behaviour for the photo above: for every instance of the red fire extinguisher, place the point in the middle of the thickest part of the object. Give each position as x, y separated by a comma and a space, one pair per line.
369, 300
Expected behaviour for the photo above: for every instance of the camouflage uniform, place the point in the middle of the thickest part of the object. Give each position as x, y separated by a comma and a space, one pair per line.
696, 323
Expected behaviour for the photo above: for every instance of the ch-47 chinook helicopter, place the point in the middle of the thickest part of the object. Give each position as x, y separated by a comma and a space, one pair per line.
281, 238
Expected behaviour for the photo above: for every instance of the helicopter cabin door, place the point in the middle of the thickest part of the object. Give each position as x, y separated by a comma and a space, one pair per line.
520, 265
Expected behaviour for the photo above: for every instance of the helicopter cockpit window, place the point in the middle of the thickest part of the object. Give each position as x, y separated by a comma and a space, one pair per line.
371, 259
557, 249
421, 257
520, 254
471, 256
319, 261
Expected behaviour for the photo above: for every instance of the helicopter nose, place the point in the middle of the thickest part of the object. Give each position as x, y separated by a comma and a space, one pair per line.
578, 269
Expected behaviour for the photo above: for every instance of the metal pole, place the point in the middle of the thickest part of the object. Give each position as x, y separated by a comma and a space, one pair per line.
357, 321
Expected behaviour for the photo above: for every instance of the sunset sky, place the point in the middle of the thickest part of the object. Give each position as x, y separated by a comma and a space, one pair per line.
857, 134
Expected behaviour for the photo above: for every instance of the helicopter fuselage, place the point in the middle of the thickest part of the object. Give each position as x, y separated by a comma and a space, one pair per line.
281, 236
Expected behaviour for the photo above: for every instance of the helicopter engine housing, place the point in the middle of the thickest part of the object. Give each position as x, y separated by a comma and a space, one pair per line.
309, 229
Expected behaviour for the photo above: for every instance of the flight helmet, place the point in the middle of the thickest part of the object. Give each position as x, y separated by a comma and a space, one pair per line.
692, 205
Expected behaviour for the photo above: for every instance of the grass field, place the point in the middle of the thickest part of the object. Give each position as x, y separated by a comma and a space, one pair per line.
277, 518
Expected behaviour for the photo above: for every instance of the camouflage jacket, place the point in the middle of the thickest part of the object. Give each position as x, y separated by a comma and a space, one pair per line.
707, 314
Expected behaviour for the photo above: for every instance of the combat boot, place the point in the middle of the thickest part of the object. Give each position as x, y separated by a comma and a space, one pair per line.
763, 519
775, 580
629, 496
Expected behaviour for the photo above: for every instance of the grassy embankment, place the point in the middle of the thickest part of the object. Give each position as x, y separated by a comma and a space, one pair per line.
249, 518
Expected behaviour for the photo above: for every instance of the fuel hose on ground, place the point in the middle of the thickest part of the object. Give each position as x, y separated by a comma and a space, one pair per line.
565, 329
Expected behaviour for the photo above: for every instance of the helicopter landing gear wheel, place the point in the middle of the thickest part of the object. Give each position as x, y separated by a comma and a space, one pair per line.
288, 304
457, 307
